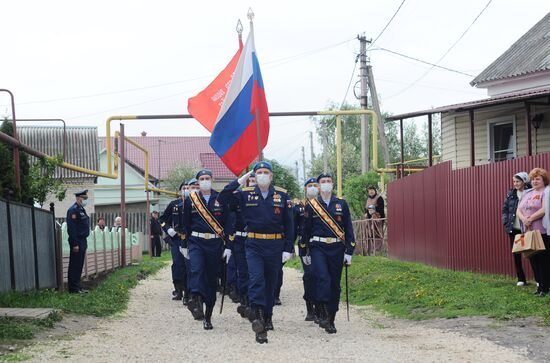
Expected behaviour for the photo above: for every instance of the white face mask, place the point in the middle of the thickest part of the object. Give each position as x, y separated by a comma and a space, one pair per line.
312, 192
263, 180
194, 190
185, 193
326, 187
205, 185
84, 202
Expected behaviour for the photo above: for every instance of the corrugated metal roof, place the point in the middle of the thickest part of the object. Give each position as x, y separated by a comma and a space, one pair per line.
170, 151
493, 101
81, 145
529, 54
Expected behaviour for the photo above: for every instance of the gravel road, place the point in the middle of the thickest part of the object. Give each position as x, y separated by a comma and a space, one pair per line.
156, 329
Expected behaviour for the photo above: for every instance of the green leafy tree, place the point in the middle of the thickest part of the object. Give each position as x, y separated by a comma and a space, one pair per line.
7, 175
43, 181
355, 192
179, 173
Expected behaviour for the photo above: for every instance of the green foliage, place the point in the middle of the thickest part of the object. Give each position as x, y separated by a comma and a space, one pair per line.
7, 175
181, 172
355, 192
415, 291
43, 181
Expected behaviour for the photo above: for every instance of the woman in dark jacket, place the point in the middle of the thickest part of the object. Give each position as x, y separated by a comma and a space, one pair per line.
511, 221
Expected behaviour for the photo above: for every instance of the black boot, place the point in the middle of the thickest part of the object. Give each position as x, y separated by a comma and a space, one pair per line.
310, 316
317, 313
178, 295
261, 337
259, 320
197, 309
207, 322
233, 293
268, 324
331, 329
241, 309
250, 314
324, 319
185, 297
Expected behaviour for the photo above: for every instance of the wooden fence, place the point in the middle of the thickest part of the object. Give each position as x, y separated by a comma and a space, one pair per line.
371, 237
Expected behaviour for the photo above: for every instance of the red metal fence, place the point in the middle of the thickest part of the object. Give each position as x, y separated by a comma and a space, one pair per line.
452, 218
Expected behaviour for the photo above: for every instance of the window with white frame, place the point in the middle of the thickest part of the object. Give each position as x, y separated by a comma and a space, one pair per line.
502, 139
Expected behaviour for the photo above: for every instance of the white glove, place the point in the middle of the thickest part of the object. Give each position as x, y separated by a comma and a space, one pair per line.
184, 252
286, 256
242, 180
347, 259
171, 232
226, 255
306, 260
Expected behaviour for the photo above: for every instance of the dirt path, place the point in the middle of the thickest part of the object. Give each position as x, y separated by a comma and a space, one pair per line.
157, 329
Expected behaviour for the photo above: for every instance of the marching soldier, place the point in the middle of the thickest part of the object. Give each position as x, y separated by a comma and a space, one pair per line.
328, 235
170, 223
267, 214
78, 228
311, 190
204, 218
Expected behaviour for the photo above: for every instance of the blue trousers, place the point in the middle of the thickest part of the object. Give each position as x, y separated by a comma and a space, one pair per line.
279, 282
76, 263
264, 264
310, 283
327, 261
205, 261
179, 272
239, 255
231, 272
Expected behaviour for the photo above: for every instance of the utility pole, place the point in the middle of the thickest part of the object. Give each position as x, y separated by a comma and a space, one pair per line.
296, 171
376, 106
364, 103
325, 153
304, 161
311, 145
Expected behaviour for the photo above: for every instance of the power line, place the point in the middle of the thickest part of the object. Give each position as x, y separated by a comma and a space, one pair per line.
444, 54
423, 61
387, 24
350, 81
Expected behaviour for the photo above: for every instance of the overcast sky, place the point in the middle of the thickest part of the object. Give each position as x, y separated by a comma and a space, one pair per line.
86, 61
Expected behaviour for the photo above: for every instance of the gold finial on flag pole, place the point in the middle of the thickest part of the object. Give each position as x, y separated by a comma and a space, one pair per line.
250, 14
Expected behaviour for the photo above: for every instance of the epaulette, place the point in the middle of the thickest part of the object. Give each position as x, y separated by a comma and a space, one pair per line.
247, 189
279, 189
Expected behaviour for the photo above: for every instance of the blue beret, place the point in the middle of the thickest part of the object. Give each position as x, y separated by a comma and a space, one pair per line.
192, 181
82, 193
310, 180
324, 175
183, 183
253, 175
263, 165
203, 172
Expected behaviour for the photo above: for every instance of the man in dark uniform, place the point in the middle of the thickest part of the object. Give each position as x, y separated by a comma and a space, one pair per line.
170, 223
78, 228
156, 232
204, 219
267, 214
311, 190
328, 235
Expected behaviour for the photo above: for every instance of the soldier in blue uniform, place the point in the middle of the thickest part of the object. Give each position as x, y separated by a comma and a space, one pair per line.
78, 228
205, 219
311, 190
170, 223
240, 255
328, 235
267, 214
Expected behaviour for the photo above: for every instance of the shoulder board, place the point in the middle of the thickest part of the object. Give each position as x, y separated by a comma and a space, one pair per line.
247, 189
279, 189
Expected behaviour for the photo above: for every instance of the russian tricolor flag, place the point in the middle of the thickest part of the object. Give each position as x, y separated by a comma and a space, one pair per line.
234, 137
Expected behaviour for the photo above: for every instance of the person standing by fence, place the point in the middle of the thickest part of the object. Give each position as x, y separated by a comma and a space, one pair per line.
511, 221
78, 228
156, 232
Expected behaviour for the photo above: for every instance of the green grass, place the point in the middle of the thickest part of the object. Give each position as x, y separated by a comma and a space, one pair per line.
109, 297
417, 291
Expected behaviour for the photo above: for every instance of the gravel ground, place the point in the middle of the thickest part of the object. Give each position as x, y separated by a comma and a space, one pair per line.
156, 329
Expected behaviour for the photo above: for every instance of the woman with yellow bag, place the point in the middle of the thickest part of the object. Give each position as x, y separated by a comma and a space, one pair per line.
531, 212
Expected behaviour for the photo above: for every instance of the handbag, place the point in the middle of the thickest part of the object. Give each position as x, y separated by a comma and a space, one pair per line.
538, 245
528, 243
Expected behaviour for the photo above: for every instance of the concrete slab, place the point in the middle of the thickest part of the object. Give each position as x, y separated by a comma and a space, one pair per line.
25, 313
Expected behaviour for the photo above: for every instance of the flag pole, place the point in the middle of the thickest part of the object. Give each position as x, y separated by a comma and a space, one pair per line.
250, 16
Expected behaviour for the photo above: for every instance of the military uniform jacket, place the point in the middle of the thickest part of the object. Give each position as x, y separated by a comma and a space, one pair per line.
171, 218
193, 222
314, 226
78, 225
270, 215
298, 215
